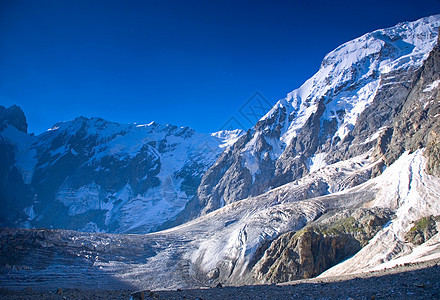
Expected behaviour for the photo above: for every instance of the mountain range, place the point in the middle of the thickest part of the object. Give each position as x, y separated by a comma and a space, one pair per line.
342, 176
99, 176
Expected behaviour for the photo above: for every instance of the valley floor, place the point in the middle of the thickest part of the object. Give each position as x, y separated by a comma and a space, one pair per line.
409, 281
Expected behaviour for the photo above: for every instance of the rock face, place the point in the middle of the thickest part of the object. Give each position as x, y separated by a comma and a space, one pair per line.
13, 116
433, 154
346, 109
14, 193
416, 125
423, 229
319, 246
95, 175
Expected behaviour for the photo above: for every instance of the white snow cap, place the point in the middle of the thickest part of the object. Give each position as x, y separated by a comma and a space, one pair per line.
349, 75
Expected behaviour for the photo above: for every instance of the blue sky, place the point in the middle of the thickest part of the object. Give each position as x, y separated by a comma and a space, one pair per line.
188, 63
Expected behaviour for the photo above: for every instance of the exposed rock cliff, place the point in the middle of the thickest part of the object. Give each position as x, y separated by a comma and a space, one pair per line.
319, 246
417, 125
423, 229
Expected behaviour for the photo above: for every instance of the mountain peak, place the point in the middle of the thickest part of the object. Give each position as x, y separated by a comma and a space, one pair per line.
352, 72
14, 116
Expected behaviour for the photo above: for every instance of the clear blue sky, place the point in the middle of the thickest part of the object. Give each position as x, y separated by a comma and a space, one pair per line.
188, 63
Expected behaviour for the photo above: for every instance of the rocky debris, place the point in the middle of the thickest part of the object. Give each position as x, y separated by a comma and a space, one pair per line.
153, 295
423, 229
68, 294
320, 245
411, 281
54, 258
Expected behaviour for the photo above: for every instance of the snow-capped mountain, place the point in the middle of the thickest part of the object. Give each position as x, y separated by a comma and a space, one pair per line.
95, 175
342, 176
338, 113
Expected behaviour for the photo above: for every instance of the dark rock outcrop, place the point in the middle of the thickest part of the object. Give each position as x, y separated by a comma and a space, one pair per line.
433, 154
14, 193
13, 116
319, 246
423, 229
417, 124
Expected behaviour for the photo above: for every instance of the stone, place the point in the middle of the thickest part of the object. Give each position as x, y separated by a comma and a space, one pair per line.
140, 295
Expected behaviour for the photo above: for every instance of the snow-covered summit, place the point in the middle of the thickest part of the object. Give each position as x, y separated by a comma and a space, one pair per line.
349, 76
228, 137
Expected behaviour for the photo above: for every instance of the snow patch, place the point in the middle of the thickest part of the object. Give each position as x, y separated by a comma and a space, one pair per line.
82, 199
228, 137
432, 86
374, 136
316, 162
29, 211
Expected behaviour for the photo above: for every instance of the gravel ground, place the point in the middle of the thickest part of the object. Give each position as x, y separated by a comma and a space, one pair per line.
411, 281
64, 294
